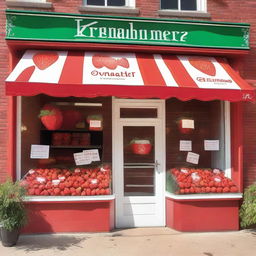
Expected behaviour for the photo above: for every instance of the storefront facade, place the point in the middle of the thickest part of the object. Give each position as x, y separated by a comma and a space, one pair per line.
151, 94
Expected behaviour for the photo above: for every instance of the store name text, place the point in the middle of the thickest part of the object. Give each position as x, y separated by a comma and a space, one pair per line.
130, 33
112, 74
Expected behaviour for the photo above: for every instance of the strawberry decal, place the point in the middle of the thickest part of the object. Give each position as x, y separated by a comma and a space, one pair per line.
100, 61
45, 59
203, 65
51, 117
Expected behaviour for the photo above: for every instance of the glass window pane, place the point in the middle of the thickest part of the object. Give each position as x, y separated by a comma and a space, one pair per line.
138, 113
139, 181
169, 4
96, 2
188, 5
116, 2
139, 159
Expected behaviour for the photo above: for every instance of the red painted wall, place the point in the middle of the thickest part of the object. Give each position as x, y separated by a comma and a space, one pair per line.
202, 215
54, 217
220, 10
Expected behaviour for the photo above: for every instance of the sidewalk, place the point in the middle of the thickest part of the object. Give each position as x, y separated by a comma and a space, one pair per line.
137, 241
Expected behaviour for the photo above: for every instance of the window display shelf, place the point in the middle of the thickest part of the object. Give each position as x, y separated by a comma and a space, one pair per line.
204, 196
72, 130
68, 198
69, 146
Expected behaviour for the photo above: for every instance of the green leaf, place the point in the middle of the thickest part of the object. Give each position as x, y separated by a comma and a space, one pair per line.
46, 113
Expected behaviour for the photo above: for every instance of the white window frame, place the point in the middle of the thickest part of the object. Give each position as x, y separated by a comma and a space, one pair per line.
201, 7
128, 3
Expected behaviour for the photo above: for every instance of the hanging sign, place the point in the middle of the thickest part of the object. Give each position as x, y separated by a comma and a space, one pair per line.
51, 26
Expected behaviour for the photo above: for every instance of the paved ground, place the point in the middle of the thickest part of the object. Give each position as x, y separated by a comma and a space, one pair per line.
140, 241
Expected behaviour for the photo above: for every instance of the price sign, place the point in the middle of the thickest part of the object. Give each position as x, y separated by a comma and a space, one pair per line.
185, 145
211, 145
192, 158
81, 159
187, 123
92, 154
39, 151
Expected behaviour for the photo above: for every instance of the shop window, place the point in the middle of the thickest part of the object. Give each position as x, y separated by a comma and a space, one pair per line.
198, 148
183, 5
60, 146
110, 3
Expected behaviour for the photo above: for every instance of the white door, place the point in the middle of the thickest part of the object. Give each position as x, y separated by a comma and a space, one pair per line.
139, 175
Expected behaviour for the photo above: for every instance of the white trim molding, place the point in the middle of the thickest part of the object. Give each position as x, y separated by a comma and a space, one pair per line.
67, 198
204, 196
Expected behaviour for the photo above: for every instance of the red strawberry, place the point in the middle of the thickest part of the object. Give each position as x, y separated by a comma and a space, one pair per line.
203, 65
233, 189
213, 189
56, 191
123, 62
70, 118
51, 117
226, 190
45, 59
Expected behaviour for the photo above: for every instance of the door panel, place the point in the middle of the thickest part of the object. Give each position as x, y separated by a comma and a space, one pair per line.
139, 171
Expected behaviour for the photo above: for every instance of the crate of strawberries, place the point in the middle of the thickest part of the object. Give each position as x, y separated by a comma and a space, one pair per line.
66, 182
197, 181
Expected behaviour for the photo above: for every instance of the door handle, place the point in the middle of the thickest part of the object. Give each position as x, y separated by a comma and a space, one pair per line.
156, 166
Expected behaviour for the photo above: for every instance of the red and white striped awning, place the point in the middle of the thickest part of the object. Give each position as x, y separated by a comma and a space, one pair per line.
129, 75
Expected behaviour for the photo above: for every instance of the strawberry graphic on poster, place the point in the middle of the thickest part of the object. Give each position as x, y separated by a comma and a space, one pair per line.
43, 60
203, 65
100, 61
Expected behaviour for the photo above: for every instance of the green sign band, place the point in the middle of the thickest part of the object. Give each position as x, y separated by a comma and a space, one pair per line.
48, 26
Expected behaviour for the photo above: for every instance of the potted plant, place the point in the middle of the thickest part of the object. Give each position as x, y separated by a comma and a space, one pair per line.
141, 146
12, 211
248, 208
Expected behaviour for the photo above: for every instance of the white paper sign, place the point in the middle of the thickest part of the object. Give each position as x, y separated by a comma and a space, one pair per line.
211, 145
81, 158
92, 154
39, 151
187, 123
192, 158
95, 123
185, 145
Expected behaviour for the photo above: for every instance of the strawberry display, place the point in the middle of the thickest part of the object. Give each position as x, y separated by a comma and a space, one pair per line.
51, 117
190, 180
64, 182
203, 65
71, 138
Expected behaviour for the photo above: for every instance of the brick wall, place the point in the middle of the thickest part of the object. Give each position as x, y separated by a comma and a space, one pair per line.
220, 10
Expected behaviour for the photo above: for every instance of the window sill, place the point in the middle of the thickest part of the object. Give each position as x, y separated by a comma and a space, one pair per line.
184, 14
41, 5
68, 198
220, 196
121, 10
